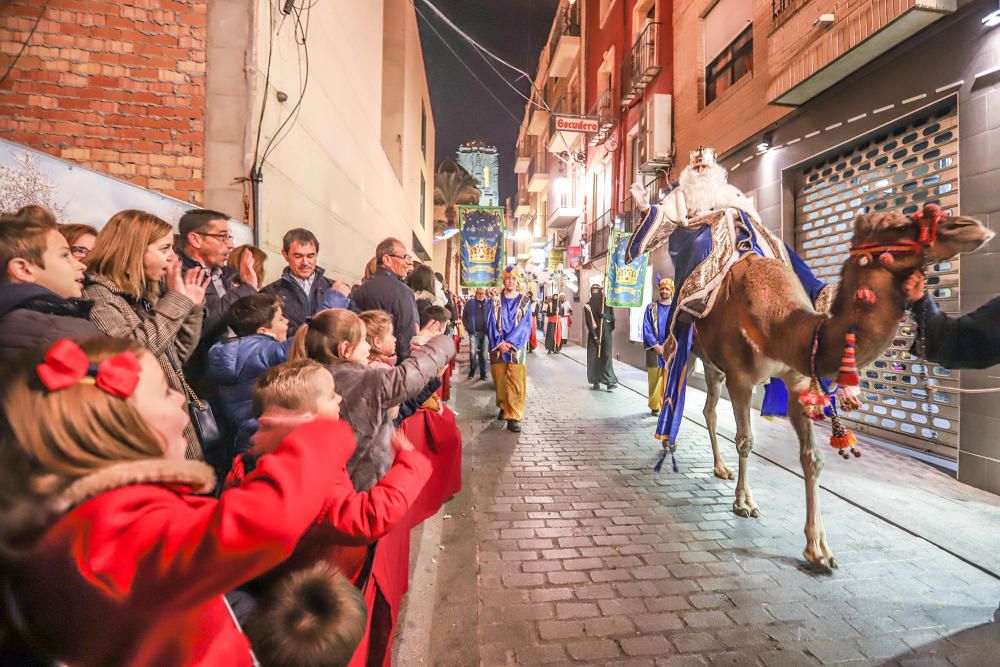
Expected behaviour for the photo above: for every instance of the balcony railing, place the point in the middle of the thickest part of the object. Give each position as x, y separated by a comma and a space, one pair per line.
567, 23
641, 64
779, 8
604, 110
599, 235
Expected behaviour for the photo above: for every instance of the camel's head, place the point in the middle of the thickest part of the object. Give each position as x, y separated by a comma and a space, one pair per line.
901, 244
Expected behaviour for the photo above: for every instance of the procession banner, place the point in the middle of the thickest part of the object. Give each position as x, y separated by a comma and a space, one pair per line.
624, 281
482, 232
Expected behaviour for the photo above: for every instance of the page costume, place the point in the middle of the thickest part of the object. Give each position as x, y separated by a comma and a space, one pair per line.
655, 328
508, 320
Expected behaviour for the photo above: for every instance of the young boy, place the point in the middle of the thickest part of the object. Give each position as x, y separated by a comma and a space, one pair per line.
40, 288
289, 395
235, 364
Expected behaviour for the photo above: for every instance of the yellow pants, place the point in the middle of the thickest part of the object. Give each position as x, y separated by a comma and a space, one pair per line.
511, 381
657, 380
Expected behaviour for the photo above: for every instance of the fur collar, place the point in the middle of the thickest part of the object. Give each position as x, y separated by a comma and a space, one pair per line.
194, 474
423, 295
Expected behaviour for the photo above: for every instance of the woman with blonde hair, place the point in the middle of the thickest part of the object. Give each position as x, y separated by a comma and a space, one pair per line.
133, 253
236, 260
107, 554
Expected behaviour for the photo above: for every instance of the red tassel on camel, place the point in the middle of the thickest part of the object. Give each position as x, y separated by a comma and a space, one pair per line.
842, 439
848, 362
814, 401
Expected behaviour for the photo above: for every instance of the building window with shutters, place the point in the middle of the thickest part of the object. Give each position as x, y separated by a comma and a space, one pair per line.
728, 46
423, 202
735, 62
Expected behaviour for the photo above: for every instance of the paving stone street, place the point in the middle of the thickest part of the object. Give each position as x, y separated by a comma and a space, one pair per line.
564, 547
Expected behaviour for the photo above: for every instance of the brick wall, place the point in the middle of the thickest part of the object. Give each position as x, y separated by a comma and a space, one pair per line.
114, 86
786, 51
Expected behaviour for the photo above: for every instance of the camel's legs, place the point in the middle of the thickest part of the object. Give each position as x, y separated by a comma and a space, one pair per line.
740, 394
713, 379
817, 552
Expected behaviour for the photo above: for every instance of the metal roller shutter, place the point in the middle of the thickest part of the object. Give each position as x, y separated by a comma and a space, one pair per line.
902, 170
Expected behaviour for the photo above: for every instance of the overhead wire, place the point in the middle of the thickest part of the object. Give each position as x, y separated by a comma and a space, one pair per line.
27, 40
300, 34
484, 52
464, 64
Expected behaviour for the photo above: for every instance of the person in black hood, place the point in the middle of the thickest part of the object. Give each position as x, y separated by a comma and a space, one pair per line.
600, 323
40, 287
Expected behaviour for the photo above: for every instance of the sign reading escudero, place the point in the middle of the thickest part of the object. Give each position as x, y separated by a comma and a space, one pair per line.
576, 124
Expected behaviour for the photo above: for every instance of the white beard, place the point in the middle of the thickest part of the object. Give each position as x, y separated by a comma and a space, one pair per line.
704, 191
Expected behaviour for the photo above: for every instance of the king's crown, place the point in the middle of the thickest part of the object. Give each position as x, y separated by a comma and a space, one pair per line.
481, 253
628, 276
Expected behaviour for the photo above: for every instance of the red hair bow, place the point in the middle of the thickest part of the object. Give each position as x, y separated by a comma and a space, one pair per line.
66, 364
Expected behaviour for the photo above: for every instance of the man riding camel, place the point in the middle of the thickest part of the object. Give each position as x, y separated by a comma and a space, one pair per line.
709, 226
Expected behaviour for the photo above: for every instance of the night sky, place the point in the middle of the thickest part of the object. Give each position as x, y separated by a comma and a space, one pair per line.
516, 31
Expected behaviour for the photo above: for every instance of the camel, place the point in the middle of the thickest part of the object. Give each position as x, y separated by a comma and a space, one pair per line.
763, 324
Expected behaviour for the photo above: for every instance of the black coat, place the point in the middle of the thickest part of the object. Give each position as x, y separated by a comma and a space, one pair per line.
969, 341
474, 317
385, 291
297, 304
214, 327
31, 315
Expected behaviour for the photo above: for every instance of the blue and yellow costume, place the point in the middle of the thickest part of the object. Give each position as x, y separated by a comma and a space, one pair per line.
508, 320
655, 329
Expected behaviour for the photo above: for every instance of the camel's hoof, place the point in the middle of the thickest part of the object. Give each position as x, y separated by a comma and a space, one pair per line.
742, 511
755, 512
825, 562
724, 473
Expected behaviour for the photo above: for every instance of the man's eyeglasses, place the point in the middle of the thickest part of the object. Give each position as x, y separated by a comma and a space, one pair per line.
225, 238
79, 251
406, 258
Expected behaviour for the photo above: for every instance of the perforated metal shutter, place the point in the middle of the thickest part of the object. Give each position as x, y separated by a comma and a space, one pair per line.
902, 170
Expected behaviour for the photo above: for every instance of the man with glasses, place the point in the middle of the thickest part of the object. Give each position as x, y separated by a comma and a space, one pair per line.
205, 241
385, 290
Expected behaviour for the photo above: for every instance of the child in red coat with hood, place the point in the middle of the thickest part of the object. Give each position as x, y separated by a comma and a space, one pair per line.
108, 557
286, 396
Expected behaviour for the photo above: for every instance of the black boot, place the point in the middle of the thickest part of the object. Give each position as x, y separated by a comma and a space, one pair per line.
513, 426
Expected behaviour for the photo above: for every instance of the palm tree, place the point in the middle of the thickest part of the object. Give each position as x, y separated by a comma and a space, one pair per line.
453, 186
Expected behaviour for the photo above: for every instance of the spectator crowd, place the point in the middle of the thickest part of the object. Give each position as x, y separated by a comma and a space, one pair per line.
200, 467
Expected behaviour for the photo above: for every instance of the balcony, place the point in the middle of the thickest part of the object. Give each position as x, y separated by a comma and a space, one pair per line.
564, 140
525, 148
564, 45
523, 206
604, 111
539, 121
565, 213
861, 33
538, 172
599, 236
641, 64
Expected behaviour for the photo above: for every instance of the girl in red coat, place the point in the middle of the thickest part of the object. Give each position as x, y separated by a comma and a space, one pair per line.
108, 556
286, 396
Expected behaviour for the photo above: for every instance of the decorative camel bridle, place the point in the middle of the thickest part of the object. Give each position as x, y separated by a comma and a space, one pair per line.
816, 403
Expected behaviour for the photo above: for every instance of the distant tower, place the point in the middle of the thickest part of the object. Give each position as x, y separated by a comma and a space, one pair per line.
483, 162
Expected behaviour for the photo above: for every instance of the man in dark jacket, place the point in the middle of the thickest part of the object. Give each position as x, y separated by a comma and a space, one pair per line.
40, 287
474, 319
205, 241
969, 341
385, 290
303, 288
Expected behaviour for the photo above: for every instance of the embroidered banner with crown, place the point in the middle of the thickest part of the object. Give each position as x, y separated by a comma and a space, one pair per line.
482, 245
624, 281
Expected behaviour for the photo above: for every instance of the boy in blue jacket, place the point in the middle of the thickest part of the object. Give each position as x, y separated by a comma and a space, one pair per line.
235, 364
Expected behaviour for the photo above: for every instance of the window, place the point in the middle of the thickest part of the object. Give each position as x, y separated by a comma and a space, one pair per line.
423, 202
486, 177
423, 129
735, 62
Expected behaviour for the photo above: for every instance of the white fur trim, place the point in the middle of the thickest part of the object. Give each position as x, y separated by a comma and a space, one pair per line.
195, 474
